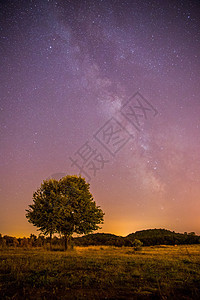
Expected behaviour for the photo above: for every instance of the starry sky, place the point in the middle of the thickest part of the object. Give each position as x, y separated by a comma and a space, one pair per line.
108, 89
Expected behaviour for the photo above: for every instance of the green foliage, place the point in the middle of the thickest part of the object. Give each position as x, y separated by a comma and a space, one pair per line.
137, 245
78, 212
42, 213
66, 207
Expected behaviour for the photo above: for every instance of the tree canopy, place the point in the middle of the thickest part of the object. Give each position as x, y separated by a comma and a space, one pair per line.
66, 207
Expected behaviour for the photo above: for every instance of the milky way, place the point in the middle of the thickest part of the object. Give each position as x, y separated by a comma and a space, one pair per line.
72, 73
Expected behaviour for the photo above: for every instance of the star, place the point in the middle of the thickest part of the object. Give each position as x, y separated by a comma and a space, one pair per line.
67, 69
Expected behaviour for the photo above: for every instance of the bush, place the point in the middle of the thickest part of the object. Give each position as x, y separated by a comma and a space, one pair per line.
137, 245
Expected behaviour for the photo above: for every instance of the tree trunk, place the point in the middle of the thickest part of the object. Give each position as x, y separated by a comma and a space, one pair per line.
67, 241
50, 241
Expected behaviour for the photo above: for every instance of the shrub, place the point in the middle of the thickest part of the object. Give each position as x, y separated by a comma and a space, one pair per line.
137, 245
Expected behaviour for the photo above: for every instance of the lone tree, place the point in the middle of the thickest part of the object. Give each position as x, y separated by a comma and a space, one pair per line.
42, 213
66, 207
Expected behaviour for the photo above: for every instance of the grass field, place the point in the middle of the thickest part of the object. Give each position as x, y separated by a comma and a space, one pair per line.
159, 272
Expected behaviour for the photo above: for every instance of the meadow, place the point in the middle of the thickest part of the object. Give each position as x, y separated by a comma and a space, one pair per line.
94, 272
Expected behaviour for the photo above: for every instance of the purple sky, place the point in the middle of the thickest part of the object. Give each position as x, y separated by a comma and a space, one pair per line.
67, 70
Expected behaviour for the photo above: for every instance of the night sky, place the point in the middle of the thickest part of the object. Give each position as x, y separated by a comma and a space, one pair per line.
109, 89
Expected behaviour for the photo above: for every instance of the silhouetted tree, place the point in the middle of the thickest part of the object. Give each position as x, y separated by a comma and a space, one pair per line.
65, 206
78, 212
42, 213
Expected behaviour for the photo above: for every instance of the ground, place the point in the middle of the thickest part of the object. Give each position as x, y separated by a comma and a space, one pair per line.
158, 272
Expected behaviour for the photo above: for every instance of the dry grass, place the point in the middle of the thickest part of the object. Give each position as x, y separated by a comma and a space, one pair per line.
159, 272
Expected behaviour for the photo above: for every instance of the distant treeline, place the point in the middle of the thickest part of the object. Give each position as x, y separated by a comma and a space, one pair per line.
148, 237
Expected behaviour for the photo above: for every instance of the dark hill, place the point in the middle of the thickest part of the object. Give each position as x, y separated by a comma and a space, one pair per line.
163, 236
100, 239
147, 237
